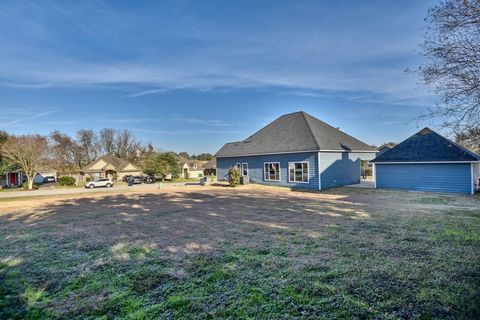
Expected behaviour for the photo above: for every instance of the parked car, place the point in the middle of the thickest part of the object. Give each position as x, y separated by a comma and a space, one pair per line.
49, 179
104, 182
148, 179
125, 178
137, 179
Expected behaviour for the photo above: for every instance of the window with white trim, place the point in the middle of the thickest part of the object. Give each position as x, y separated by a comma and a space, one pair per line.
244, 169
272, 171
298, 172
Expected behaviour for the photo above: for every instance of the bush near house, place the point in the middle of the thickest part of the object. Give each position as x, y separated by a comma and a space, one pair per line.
66, 181
234, 176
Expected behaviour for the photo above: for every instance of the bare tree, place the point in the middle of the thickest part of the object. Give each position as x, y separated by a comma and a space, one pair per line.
88, 143
470, 139
4, 165
28, 152
67, 153
127, 145
107, 140
452, 49
120, 143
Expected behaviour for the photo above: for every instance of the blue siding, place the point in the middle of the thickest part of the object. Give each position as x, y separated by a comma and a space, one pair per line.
341, 168
256, 165
452, 177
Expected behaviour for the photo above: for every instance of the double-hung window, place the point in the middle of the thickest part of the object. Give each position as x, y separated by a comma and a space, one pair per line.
272, 171
298, 172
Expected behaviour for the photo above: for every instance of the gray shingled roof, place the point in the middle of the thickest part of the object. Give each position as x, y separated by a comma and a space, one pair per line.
294, 132
117, 163
427, 146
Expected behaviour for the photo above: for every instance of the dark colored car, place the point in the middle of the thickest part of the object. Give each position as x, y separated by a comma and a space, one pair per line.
148, 179
137, 179
125, 178
49, 179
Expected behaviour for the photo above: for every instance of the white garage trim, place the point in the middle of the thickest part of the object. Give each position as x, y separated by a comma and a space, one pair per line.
424, 162
472, 173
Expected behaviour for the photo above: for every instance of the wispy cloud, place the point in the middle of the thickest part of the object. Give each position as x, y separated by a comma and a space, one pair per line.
146, 92
314, 54
192, 133
25, 119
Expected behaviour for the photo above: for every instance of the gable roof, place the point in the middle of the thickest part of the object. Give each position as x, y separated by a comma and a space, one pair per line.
427, 146
210, 164
117, 163
191, 164
294, 132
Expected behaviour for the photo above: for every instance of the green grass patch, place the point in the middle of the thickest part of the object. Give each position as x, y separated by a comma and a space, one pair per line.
437, 200
389, 266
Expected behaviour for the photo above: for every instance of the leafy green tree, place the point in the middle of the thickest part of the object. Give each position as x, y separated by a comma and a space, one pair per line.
184, 155
162, 164
204, 157
388, 144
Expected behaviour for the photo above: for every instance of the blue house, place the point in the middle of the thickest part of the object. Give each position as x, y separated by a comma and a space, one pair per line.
297, 150
428, 161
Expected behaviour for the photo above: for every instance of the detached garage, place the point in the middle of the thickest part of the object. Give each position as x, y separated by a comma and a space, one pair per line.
427, 161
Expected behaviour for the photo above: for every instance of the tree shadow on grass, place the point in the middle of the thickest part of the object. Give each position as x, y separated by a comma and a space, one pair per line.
157, 252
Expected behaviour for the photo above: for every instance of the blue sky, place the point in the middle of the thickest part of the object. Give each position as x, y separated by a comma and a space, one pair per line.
192, 75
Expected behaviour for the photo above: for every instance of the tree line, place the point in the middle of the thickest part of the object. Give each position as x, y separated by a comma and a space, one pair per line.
70, 155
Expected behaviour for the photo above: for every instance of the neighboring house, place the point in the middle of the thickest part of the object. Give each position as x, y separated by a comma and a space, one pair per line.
13, 178
428, 161
191, 169
297, 150
210, 167
42, 173
110, 166
383, 149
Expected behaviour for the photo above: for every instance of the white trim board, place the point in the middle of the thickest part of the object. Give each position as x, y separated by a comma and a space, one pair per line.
308, 171
290, 152
472, 178
279, 171
319, 173
426, 162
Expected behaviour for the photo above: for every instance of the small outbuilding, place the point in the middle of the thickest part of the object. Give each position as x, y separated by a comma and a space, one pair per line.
427, 161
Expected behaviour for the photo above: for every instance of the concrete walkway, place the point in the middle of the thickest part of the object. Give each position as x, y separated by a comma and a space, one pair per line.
363, 184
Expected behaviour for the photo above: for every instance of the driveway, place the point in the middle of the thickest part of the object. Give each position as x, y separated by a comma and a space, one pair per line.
115, 189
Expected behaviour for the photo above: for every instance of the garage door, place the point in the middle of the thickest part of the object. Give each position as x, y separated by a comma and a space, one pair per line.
425, 177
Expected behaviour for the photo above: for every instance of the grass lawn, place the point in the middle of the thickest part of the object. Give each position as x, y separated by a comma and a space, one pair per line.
249, 252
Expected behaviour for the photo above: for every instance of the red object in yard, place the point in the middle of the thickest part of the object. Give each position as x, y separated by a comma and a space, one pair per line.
12, 179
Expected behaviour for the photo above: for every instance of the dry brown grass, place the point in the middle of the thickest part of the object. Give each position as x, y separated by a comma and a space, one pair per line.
262, 252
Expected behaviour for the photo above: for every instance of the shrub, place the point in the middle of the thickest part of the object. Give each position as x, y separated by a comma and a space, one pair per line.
66, 181
25, 185
366, 172
233, 176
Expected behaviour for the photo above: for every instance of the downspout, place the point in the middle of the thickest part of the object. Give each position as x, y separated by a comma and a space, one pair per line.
319, 174
472, 175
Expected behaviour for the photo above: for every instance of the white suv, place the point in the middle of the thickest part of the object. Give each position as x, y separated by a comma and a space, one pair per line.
104, 182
